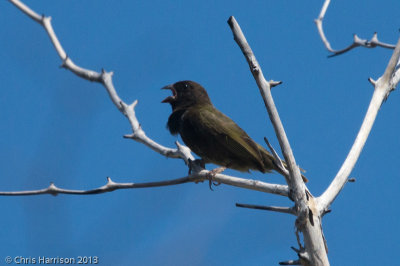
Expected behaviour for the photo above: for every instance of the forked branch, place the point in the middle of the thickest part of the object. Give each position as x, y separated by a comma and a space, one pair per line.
357, 41
383, 86
267, 208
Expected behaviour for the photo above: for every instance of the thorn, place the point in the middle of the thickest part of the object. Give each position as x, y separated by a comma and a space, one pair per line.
53, 189
133, 105
178, 145
372, 81
295, 249
129, 136
109, 181
326, 212
273, 83
290, 262
351, 180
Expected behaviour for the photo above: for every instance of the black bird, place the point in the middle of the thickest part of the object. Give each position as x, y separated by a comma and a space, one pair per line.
212, 135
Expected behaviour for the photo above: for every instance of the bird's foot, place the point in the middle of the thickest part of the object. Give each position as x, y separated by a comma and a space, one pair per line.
211, 174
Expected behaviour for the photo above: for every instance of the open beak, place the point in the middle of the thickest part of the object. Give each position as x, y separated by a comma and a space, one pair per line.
169, 98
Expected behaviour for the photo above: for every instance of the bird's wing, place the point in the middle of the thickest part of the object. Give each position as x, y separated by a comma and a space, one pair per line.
230, 136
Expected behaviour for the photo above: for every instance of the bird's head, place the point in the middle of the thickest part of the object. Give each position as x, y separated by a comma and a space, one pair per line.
186, 94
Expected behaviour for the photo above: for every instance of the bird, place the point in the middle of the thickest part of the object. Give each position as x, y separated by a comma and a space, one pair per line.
212, 135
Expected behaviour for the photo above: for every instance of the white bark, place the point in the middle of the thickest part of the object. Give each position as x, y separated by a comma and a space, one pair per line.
357, 41
383, 87
197, 177
308, 218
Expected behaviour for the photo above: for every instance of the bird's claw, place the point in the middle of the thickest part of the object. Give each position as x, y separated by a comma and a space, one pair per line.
212, 174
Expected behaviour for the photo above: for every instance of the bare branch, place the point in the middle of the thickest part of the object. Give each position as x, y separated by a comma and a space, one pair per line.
274, 83
290, 262
318, 21
278, 160
197, 177
312, 232
383, 86
24, 8
110, 186
267, 208
357, 41
296, 183
105, 78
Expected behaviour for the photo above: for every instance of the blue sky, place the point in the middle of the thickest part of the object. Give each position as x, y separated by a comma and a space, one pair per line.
59, 128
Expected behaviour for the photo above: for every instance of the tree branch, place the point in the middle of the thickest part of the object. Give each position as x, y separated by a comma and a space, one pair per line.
197, 177
267, 208
278, 160
357, 41
105, 78
265, 90
308, 219
290, 262
383, 86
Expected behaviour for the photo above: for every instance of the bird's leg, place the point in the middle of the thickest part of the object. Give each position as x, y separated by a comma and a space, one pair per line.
195, 165
211, 174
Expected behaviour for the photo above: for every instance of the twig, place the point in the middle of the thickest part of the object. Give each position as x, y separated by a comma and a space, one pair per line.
278, 160
197, 177
105, 78
110, 186
267, 208
357, 41
383, 86
290, 262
